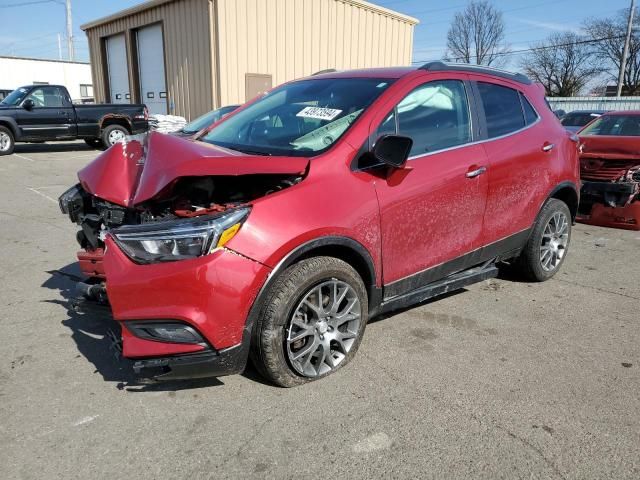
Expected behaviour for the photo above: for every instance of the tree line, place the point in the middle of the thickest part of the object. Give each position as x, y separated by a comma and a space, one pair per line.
566, 63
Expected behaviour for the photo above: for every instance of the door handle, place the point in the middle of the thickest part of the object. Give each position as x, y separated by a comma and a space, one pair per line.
476, 172
547, 147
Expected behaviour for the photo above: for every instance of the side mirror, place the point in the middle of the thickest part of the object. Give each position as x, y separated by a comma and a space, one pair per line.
393, 150
28, 104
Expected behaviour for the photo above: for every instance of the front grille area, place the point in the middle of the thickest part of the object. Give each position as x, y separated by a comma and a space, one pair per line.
604, 170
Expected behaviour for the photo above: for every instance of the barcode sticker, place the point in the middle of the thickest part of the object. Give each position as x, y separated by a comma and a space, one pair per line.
319, 113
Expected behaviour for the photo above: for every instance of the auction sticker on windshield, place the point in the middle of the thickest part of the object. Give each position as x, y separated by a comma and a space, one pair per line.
319, 113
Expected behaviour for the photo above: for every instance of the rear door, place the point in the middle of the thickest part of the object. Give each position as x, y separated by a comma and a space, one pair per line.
52, 116
520, 156
431, 210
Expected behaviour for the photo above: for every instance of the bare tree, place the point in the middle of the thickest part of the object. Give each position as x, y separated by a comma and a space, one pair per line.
564, 64
608, 42
477, 34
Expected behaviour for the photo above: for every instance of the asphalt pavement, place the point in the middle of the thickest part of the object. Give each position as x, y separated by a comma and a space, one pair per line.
504, 379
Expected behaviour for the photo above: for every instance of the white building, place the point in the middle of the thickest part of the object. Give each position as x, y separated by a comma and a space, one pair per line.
76, 76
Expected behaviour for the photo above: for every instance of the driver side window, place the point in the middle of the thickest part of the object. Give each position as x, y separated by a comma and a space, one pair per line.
47, 97
435, 115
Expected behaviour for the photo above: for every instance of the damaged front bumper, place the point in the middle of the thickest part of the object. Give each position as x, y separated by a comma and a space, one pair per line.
211, 295
610, 204
210, 363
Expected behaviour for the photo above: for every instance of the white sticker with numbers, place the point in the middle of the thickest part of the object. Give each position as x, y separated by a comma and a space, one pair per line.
319, 113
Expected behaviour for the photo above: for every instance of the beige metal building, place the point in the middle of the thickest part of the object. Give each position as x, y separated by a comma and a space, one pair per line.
185, 57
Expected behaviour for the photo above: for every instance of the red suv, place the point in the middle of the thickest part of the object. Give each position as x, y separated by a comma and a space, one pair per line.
329, 200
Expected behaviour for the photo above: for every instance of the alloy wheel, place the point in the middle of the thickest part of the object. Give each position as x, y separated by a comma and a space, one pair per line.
323, 328
116, 136
5, 142
555, 239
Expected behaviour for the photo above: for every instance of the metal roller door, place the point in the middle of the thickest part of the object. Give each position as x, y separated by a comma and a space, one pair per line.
153, 91
118, 69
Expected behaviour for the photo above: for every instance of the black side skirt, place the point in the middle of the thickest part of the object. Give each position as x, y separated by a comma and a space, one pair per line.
449, 284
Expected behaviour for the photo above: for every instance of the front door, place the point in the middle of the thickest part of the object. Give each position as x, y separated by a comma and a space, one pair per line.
52, 115
431, 210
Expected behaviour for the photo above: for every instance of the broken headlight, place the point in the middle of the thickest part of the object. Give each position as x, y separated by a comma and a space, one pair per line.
173, 240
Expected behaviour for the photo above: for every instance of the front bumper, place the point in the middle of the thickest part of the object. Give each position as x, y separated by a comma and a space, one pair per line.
197, 365
213, 294
612, 194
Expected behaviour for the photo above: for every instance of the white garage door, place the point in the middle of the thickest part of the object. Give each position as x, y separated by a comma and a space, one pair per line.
118, 69
153, 91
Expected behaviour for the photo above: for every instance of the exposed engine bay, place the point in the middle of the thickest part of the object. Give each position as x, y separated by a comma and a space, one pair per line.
187, 197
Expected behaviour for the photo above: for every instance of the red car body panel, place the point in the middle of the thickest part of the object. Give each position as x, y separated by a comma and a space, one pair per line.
605, 162
212, 293
407, 220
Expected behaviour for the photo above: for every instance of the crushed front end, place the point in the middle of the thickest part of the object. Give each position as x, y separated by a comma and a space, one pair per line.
610, 191
160, 260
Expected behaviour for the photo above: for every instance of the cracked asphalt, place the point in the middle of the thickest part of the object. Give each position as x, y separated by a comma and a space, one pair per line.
501, 380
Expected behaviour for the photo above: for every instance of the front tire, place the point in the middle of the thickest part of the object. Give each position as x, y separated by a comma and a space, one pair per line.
312, 322
548, 244
96, 143
114, 134
7, 142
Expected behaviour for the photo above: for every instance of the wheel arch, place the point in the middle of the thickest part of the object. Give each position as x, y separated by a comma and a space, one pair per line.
121, 120
344, 248
11, 124
569, 194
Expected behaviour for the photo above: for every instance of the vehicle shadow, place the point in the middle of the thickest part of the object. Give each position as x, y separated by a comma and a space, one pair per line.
93, 327
53, 147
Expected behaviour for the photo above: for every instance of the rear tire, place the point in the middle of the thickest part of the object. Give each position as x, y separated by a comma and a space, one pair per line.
114, 134
312, 322
548, 243
7, 142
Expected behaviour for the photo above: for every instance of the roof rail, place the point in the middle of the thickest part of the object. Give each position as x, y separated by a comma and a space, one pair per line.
327, 70
438, 66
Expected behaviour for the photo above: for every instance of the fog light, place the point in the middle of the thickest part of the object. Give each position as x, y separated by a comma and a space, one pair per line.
172, 332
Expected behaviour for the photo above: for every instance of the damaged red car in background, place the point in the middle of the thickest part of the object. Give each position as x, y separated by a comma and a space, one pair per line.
610, 171
281, 231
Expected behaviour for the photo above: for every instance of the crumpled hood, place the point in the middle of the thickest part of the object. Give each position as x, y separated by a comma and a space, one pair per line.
610, 147
137, 170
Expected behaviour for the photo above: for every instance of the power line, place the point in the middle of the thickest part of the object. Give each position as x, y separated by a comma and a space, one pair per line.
545, 47
25, 4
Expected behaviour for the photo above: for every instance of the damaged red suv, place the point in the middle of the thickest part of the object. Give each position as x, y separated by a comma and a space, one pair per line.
329, 200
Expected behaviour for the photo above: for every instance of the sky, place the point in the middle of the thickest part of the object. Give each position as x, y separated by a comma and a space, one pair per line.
29, 28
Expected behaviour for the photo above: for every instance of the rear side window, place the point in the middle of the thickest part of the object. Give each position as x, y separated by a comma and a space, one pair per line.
435, 115
502, 109
530, 115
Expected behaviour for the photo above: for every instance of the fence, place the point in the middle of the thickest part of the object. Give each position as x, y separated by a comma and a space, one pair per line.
569, 104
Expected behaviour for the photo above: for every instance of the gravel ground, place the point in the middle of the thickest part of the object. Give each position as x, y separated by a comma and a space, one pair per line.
501, 380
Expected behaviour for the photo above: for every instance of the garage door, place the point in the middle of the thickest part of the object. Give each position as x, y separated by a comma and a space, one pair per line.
118, 69
151, 68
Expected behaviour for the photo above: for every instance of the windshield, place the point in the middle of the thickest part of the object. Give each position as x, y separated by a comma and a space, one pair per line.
207, 119
616, 125
15, 97
299, 119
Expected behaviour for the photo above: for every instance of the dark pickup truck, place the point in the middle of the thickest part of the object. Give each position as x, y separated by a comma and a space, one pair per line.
42, 113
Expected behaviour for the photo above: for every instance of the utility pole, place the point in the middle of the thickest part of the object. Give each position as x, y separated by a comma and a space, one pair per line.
625, 50
70, 31
59, 47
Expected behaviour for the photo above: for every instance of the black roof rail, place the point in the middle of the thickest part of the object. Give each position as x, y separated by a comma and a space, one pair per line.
438, 66
327, 70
